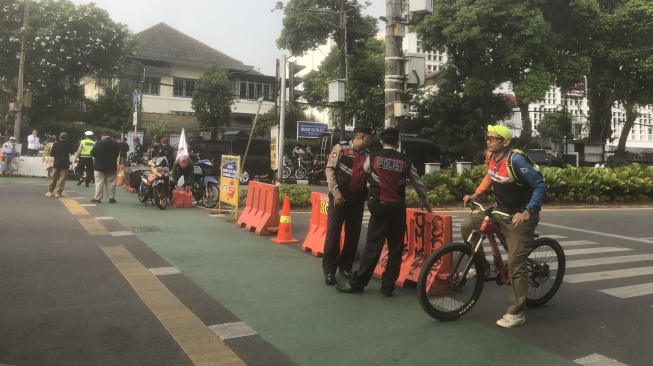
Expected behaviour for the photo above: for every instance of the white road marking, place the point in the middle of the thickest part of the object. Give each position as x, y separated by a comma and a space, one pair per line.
121, 233
598, 360
608, 275
162, 271
639, 240
570, 252
104, 218
609, 260
88, 205
232, 330
625, 292
570, 243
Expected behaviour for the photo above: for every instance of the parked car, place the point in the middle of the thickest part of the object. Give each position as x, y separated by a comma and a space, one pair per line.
420, 150
543, 158
257, 162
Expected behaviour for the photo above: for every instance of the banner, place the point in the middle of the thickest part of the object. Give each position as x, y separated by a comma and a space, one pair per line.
182, 149
229, 179
310, 130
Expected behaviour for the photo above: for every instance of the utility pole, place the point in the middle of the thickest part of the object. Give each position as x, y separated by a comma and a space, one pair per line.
282, 118
21, 70
343, 62
393, 59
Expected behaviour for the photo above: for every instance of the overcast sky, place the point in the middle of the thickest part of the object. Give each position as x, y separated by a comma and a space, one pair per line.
243, 29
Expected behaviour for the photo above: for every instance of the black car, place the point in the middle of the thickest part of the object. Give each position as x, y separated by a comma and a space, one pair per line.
257, 162
543, 158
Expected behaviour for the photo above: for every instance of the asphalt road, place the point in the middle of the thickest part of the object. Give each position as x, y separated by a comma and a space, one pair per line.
83, 289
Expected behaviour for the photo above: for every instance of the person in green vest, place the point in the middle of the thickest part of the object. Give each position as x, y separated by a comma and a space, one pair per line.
84, 159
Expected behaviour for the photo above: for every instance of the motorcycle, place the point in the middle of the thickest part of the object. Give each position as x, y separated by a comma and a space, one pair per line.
205, 186
155, 184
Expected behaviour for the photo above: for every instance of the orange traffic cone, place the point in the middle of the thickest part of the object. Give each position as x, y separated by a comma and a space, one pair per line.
284, 235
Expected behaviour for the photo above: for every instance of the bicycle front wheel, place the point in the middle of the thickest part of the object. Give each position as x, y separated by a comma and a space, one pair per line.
546, 268
443, 288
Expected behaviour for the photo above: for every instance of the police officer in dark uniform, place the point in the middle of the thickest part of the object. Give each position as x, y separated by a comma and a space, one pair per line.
167, 151
345, 175
140, 152
388, 170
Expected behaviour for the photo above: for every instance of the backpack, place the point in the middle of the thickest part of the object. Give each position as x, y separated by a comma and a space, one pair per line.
511, 168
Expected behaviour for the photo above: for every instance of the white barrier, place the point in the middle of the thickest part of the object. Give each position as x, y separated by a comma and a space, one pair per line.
29, 166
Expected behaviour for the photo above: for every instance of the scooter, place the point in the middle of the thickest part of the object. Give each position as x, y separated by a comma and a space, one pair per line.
155, 184
205, 186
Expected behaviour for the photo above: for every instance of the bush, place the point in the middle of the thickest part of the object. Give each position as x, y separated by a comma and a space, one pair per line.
299, 196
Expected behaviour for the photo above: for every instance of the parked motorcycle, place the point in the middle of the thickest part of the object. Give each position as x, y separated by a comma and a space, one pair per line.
205, 186
155, 184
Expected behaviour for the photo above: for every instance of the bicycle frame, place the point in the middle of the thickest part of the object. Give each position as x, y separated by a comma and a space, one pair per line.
491, 231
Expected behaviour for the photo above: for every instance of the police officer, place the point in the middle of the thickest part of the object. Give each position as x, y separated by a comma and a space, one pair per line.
84, 158
388, 170
167, 151
140, 151
345, 175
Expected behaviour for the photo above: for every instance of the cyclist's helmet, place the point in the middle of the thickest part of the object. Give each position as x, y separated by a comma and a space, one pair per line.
183, 161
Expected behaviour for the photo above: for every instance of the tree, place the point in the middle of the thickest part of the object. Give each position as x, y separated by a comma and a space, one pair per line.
294, 113
113, 108
452, 116
489, 42
213, 98
64, 43
364, 88
554, 125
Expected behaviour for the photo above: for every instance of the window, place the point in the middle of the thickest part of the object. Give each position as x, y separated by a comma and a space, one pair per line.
151, 86
252, 90
183, 87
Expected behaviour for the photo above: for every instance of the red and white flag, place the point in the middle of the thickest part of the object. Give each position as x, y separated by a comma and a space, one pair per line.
182, 149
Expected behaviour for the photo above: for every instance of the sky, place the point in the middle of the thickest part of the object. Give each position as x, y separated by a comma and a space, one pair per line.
243, 29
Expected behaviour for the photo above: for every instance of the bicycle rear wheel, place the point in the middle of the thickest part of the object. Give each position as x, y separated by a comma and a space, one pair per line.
546, 268
443, 289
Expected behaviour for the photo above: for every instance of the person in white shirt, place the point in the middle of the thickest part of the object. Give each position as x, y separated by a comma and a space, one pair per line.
33, 144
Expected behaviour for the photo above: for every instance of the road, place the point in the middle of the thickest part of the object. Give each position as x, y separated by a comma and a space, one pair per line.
127, 284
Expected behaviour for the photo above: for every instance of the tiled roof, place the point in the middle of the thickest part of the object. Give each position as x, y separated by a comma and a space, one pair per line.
163, 40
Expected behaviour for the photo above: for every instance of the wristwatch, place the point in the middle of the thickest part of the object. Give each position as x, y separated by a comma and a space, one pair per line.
531, 210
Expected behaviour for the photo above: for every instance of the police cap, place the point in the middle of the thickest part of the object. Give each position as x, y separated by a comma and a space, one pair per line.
365, 129
390, 132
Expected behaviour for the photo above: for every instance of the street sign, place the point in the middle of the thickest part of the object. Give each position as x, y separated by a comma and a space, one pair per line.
310, 130
135, 99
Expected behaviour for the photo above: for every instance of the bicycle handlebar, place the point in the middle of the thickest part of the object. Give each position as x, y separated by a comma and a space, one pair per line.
489, 211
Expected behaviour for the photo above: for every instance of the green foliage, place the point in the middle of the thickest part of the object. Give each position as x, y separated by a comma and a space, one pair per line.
299, 196
213, 97
155, 130
554, 125
113, 108
294, 113
64, 42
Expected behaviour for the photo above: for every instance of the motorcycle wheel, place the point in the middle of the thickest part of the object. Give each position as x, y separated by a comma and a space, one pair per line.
211, 195
160, 197
142, 193
300, 173
286, 172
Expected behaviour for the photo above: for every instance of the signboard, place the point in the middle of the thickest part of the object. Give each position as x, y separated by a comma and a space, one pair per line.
135, 98
229, 179
310, 130
274, 134
136, 119
578, 90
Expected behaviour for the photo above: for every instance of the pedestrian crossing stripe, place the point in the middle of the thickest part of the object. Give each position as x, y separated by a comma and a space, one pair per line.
626, 292
609, 260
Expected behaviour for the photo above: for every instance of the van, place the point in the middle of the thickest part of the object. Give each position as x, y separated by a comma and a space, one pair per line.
257, 163
420, 150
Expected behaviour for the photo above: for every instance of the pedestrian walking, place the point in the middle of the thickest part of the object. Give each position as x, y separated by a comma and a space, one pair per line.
84, 159
60, 152
388, 170
106, 153
345, 175
33, 144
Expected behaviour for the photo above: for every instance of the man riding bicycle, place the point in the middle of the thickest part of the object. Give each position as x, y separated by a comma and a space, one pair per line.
519, 191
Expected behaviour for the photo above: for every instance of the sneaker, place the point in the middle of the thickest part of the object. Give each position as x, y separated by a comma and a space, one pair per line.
512, 320
57, 195
95, 201
49, 194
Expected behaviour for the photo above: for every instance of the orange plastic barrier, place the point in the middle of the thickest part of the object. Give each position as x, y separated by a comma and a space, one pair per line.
314, 241
425, 232
261, 209
284, 233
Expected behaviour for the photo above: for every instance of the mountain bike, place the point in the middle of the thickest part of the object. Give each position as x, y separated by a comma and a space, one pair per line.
446, 290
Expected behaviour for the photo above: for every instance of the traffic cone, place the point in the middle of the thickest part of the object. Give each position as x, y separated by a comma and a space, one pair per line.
284, 235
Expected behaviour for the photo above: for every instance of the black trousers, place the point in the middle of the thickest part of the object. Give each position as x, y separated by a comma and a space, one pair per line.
351, 214
390, 225
85, 165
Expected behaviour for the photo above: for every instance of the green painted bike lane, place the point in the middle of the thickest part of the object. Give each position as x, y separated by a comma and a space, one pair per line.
280, 293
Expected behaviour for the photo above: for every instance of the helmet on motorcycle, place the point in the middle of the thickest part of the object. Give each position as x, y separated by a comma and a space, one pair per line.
183, 161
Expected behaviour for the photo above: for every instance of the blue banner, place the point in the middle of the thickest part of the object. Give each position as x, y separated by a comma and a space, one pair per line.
310, 130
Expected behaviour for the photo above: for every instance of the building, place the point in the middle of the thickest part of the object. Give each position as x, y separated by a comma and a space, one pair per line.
172, 62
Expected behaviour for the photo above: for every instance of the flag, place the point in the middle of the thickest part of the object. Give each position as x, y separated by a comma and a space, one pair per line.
182, 149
